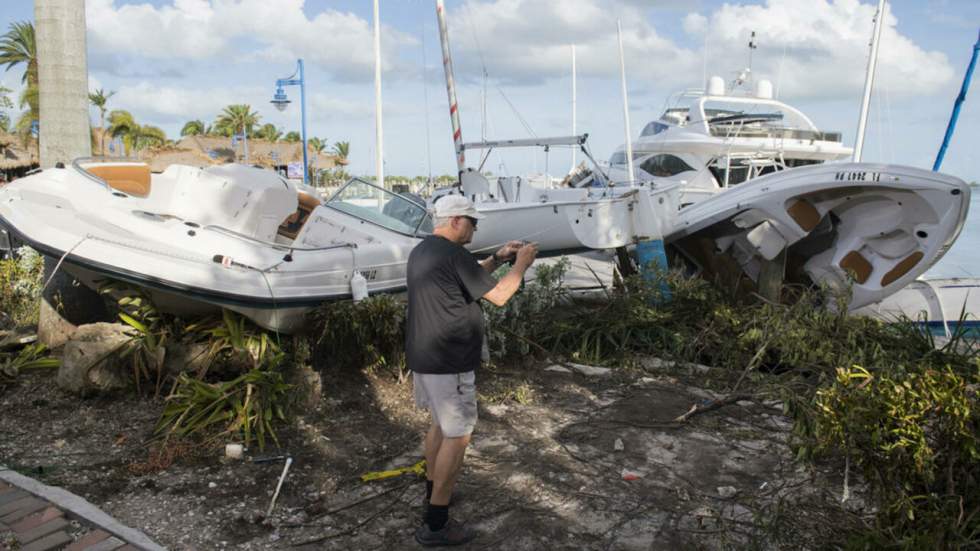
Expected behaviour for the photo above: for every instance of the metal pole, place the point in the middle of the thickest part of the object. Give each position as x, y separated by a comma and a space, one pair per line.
956, 106
626, 107
869, 80
378, 132
447, 64
245, 140
573, 103
302, 104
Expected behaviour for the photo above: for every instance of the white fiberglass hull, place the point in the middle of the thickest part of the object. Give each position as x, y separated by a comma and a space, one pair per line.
568, 220
871, 228
938, 303
181, 248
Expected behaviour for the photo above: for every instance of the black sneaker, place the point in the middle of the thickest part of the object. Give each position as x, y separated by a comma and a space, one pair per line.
453, 533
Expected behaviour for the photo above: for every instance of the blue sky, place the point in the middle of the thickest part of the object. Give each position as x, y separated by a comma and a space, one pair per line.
171, 61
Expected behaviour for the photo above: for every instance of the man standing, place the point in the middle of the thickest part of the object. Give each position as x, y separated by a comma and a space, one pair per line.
444, 338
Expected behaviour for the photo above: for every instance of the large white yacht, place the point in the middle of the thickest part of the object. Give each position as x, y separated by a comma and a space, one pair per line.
711, 139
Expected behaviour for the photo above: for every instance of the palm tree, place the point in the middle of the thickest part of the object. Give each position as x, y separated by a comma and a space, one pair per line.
292, 137
99, 99
235, 118
341, 149
30, 97
269, 132
316, 145
193, 128
18, 46
149, 136
5, 104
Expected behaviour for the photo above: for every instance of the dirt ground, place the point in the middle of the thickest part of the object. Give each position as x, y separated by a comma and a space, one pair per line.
545, 469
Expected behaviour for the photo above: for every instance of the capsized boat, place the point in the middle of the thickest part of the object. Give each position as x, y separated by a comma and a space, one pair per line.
872, 228
943, 305
228, 236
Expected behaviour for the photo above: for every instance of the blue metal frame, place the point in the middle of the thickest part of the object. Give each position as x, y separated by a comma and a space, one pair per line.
956, 106
280, 98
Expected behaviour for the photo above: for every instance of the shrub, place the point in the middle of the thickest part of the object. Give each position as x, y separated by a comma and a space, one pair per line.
369, 334
20, 286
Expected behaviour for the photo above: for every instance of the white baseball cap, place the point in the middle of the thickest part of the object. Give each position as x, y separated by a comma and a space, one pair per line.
456, 205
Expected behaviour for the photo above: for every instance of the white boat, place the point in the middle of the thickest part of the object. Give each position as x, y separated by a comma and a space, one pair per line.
872, 227
565, 219
222, 237
708, 140
944, 305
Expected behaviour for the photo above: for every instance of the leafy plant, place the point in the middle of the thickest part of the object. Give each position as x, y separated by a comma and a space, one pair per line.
235, 342
506, 326
33, 356
247, 405
20, 286
149, 333
366, 335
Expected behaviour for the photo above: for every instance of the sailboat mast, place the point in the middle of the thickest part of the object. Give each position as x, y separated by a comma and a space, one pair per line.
447, 64
573, 103
869, 80
626, 106
379, 132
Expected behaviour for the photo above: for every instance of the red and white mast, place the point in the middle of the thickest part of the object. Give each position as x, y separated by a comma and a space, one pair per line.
447, 64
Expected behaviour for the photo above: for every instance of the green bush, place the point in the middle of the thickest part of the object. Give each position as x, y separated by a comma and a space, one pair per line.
368, 334
20, 286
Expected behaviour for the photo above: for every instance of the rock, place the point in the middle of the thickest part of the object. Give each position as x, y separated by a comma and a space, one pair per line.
558, 369
589, 370
726, 492
91, 360
307, 391
618, 445
212, 485
182, 356
651, 363
6, 322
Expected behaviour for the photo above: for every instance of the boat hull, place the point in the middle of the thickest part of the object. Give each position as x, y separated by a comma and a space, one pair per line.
860, 228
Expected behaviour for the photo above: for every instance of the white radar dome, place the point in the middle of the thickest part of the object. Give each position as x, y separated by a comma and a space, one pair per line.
716, 86
764, 89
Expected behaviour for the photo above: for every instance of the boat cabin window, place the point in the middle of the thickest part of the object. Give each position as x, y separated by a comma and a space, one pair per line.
381, 207
664, 165
618, 159
653, 128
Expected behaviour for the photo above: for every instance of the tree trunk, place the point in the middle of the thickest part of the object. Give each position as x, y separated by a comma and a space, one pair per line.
62, 81
63, 133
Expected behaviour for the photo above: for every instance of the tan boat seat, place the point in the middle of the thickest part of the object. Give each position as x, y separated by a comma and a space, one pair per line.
131, 179
855, 263
902, 268
294, 222
805, 214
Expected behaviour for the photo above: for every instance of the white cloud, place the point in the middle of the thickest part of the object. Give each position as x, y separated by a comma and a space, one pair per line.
826, 48
695, 23
528, 41
240, 30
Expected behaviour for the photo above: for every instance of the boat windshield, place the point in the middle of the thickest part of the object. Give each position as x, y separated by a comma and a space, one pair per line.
381, 207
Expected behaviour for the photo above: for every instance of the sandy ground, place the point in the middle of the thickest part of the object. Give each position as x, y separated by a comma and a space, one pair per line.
545, 469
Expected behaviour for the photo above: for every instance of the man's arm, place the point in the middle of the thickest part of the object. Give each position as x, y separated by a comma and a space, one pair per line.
511, 282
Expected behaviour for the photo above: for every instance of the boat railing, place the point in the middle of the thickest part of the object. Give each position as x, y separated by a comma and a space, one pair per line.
278, 246
727, 131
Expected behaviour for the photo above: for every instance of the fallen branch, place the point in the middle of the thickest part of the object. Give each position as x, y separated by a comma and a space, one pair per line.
697, 409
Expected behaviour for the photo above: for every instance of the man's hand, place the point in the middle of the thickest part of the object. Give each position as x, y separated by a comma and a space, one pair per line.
508, 251
526, 255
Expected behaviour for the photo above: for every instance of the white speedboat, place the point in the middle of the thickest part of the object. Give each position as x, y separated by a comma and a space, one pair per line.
223, 237
708, 140
565, 219
868, 227
944, 305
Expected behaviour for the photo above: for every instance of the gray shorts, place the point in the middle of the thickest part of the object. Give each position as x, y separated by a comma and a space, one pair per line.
450, 398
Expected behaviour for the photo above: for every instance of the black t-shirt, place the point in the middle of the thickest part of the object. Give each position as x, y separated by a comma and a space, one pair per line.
444, 330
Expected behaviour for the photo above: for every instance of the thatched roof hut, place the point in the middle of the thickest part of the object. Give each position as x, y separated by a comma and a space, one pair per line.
209, 150
14, 156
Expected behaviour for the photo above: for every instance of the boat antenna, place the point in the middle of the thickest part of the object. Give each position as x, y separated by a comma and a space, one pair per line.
626, 107
752, 46
379, 133
447, 64
869, 80
425, 95
956, 106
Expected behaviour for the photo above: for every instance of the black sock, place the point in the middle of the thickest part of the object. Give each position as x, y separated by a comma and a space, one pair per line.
428, 490
436, 516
